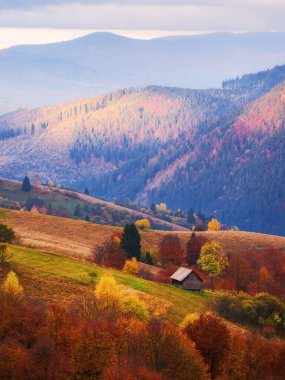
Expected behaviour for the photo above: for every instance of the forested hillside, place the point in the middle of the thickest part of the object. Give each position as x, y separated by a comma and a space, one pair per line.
221, 151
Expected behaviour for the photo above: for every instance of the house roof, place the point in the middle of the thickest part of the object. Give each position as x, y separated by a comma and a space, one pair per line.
183, 272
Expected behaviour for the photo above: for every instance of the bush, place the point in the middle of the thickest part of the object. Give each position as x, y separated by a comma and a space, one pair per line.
7, 235
131, 267
262, 310
133, 307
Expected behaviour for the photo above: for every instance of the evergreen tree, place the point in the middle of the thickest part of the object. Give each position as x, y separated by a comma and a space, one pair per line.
148, 259
153, 208
87, 218
26, 184
131, 241
190, 216
77, 212
86, 191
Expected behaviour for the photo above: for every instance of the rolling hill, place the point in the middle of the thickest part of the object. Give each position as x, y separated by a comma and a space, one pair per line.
35, 76
220, 151
76, 239
66, 203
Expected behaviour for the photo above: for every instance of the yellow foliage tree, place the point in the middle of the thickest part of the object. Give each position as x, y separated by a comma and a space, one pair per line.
109, 297
133, 307
131, 267
214, 225
143, 224
161, 207
11, 286
212, 259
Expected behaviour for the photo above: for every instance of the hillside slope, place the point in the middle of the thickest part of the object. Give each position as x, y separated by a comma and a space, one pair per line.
33, 76
64, 202
77, 239
220, 151
51, 278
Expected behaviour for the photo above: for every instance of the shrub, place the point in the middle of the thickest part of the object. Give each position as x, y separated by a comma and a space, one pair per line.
262, 310
7, 235
131, 267
133, 307
143, 224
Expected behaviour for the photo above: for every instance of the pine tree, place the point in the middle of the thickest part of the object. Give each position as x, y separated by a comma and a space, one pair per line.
77, 212
153, 208
131, 241
86, 191
26, 184
190, 216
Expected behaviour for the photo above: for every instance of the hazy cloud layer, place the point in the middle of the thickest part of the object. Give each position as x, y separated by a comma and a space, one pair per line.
212, 15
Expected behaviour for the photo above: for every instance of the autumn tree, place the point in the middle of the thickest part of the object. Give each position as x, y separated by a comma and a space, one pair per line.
240, 270
214, 225
213, 260
109, 298
11, 286
131, 241
171, 251
110, 253
143, 224
193, 248
212, 338
172, 355
131, 267
26, 184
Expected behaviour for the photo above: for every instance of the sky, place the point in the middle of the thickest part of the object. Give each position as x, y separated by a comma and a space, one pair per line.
41, 21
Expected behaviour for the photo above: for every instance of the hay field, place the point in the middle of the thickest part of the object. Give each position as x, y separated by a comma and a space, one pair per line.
76, 239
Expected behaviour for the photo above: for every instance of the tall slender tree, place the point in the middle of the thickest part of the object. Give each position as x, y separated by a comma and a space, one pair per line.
26, 184
131, 241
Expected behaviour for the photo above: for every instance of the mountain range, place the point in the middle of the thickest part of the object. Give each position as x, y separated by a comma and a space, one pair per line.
220, 150
39, 75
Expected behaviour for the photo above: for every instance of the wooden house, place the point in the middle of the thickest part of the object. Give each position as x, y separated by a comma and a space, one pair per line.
187, 279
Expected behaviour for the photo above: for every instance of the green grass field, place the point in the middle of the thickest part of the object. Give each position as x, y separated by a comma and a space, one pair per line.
55, 278
56, 199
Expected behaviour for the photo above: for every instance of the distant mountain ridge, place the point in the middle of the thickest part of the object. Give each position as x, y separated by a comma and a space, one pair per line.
218, 150
39, 75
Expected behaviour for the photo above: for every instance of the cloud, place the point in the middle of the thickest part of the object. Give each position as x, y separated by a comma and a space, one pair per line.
195, 15
36, 4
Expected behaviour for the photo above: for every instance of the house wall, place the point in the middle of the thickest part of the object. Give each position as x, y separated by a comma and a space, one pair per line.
192, 282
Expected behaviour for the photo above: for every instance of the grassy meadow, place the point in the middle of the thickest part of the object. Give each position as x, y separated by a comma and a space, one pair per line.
55, 278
